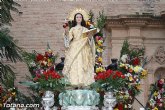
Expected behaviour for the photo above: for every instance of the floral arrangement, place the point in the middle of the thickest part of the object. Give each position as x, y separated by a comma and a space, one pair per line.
109, 80
42, 69
7, 96
131, 64
157, 96
125, 81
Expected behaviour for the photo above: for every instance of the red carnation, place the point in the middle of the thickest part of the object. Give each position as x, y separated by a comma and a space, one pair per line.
39, 57
58, 76
46, 77
46, 54
38, 75
114, 76
118, 74
136, 61
122, 76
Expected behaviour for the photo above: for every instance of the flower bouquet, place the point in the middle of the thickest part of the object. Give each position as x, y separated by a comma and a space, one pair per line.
157, 96
109, 80
126, 80
42, 69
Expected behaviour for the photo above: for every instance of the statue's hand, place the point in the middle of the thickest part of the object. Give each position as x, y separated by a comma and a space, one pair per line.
89, 35
66, 30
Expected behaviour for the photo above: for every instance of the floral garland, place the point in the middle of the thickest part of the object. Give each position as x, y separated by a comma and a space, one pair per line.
157, 96
99, 40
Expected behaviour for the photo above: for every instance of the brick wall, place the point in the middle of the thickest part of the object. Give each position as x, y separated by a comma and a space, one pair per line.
42, 21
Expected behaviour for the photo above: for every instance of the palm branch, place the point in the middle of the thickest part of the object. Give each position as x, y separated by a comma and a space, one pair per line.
5, 11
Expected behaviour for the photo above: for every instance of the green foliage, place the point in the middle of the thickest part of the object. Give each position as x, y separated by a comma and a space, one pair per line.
91, 14
101, 20
10, 51
109, 84
8, 47
5, 11
131, 52
52, 85
7, 75
125, 48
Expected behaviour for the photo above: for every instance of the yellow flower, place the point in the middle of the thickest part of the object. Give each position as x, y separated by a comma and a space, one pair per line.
99, 43
136, 69
100, 59
155, 93
49, 51
138, 86
130, 78
100, 69
144, 72
116, 109
122, 65
13, 93
99, 50
155, 108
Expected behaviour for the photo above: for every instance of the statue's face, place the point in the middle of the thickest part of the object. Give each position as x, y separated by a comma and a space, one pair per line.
78, 18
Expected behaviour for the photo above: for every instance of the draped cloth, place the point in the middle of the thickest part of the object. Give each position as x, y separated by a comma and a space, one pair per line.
79, 58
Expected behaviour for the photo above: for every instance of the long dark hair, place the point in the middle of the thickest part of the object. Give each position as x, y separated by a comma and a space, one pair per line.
74, 23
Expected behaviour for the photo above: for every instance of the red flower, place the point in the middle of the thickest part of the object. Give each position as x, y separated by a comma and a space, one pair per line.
45, 73
114, 76
39, 57
38, 75
46, 77
108, 73
136, 61
36, 79
46, 54
51, 74
122, 76
100, 76
120, 106
52, 68
160, 84
65, 25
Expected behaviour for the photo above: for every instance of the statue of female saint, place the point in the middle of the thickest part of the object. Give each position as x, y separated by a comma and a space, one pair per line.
80, 53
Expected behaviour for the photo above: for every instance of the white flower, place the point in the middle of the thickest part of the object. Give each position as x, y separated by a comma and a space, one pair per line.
124, 58
32, 64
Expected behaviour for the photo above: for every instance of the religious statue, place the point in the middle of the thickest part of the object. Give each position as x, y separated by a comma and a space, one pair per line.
80, 51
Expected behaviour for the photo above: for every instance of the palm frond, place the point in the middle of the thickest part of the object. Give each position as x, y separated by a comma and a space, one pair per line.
8, 48
5, 12
7, 75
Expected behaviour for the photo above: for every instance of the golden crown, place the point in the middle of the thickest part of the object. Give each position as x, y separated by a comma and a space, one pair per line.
78, 10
